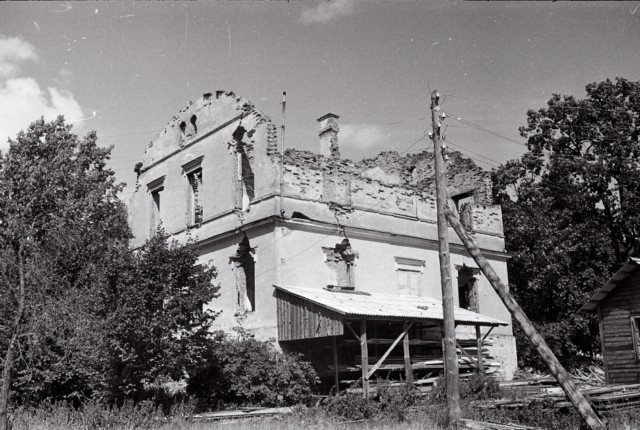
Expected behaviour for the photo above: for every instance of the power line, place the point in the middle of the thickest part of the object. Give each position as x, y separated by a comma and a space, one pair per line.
328, 235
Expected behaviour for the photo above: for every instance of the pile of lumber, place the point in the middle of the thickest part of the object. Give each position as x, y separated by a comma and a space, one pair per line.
602, 398
241, 414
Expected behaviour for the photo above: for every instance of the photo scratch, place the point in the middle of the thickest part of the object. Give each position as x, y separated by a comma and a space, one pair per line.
229, 35
186, 29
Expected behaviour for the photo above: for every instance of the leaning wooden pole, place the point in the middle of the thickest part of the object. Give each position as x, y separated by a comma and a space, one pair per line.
562, 376
452, 377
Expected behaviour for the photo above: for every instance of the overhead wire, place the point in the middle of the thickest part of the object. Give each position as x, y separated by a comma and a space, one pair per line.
327, 235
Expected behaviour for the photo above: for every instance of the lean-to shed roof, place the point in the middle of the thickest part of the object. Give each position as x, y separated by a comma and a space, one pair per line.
358, 304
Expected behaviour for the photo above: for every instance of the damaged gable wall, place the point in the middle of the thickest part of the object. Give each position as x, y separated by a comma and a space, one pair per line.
232, 139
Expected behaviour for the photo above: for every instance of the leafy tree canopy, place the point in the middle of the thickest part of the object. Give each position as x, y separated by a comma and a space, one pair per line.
571, 208
159, 325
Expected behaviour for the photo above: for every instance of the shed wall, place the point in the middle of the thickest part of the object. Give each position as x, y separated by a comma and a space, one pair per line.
622, 366
300, 319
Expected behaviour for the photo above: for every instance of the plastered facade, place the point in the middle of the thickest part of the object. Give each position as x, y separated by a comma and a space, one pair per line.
385, 206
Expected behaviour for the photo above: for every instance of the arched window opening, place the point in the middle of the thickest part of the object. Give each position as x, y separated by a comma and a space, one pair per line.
245, 182
194, 126
245, 269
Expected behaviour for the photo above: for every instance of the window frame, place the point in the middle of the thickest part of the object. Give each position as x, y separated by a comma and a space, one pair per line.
410, 266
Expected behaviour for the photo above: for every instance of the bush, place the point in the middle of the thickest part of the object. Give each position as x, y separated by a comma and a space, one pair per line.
480, 387
351, 407
245, 371
395, 400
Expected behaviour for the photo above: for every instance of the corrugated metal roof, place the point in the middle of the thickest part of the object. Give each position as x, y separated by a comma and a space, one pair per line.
358, 304
611, 284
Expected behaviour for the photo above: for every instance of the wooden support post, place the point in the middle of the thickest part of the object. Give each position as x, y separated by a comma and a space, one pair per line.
364, 352
479, 346
335, 364
562, 376
407, 354
450, 356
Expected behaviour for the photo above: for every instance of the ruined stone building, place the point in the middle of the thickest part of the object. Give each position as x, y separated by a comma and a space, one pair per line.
329, 257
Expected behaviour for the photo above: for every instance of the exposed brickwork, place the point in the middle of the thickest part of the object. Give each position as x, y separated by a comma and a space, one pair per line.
391, 183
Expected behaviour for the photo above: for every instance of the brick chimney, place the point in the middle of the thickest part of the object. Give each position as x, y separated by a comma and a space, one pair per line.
329, 135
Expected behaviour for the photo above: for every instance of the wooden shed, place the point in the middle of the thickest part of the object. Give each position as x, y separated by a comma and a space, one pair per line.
349, 332
617, 304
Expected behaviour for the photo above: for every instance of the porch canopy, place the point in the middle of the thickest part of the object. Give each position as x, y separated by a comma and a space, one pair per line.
305, 313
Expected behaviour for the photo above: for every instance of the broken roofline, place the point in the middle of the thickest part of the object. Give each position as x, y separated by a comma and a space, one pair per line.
388, 299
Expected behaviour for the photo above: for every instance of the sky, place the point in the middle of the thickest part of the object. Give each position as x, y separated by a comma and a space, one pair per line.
125, 68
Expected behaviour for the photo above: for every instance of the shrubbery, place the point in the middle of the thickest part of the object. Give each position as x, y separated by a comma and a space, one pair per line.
389, 401
245, 371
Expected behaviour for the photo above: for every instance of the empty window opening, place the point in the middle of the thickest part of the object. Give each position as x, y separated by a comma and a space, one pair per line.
409, 276
183, 127
341, 259
155, 209
462, 198
194, 126
195, 197
155, 190
245, 268
468, 288
245, 182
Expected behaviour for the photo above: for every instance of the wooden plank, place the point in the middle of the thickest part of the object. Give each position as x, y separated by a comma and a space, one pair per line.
408, 371
364, 352
479, 348
352, 331
335, 364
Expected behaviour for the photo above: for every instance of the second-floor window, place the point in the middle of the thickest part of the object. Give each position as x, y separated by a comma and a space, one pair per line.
155, 187
193, 173
195, 196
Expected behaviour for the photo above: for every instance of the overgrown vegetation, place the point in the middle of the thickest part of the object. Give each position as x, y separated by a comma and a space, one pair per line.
88, 323
243, 371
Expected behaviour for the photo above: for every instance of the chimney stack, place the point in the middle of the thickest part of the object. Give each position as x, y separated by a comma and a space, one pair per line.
329, 135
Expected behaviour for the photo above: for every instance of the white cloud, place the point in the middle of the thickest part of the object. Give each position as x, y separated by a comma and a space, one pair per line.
327, 11
14, 50
22, 99
361, 136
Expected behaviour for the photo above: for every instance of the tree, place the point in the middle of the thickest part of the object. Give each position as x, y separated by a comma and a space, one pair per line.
61, 223
158, 326
571, 208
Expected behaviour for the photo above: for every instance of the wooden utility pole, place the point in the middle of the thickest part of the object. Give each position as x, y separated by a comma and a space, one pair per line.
449, 340
562, 376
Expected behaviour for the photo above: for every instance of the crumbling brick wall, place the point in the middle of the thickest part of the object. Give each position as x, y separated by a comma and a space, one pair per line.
389, 182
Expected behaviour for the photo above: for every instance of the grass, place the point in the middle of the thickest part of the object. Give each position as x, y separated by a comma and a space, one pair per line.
395, 408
